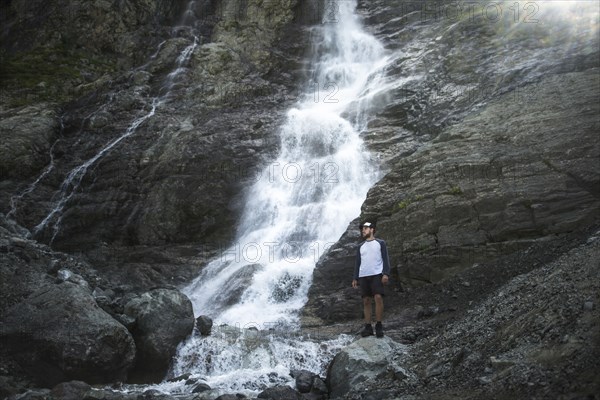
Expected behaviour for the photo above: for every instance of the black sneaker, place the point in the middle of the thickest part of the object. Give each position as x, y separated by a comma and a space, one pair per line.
379, 329
367, 331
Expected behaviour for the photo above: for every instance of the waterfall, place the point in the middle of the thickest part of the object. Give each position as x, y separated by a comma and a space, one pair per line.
303, 201
300, 204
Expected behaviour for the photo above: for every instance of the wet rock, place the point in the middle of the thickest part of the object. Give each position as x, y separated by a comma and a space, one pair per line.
230, 397
34, 394
201, 387
164, 317
319, 388
228, 101
436, 368
499, 364
204, 325
59, 333
106, 394
74, 390
362, 363
154, 394
64, 275
280, 393
304, 380
180, 378
487, 205
27, 136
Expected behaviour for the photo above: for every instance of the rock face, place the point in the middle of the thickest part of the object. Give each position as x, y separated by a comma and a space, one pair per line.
474, 147
531, 337
364, 363
163, 318
194, 139
131, 129
59, 333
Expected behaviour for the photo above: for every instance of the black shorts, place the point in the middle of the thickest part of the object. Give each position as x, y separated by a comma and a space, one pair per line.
371, 285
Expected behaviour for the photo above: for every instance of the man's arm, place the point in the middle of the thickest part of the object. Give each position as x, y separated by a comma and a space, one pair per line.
385, 258
357, 263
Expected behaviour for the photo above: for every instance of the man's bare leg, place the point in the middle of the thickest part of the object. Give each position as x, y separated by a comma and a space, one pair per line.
367, 309
378, 308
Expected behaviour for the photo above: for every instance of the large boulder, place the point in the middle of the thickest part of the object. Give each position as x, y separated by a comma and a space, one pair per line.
59, 333
281, 392
362, 363
164, 317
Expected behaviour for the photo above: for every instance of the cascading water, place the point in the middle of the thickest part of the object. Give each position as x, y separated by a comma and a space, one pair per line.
302, 201
300, 204
72, 182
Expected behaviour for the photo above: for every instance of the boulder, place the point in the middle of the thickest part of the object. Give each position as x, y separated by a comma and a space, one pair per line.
304, 380
363, 362
74, 390
59, 333
280, 392
204, 325
164, 317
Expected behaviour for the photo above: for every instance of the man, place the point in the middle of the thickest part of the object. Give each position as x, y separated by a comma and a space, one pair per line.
371, 273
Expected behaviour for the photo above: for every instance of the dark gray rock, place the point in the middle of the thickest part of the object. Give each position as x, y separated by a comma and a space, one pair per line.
229, 397
363, 363
319, 387
280, 393
154, 394
485, 188
227, 104
464, 182
183, 377
34, 394
59, 333
304, 380
204, 325
27, 137
201, 387
106, 394
164, 317
74, 390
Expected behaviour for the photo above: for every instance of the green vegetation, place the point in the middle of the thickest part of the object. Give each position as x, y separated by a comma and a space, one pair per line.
48, 73
455, 191
406, 202
403, 204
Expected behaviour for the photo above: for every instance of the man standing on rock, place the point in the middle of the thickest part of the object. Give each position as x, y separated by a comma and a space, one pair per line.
371, 272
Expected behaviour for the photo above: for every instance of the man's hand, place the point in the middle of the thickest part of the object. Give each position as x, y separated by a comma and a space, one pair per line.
354, 283
385, 279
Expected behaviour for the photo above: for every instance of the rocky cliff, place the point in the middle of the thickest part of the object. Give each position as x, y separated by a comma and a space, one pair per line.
489, 144
485, 134
129, 132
